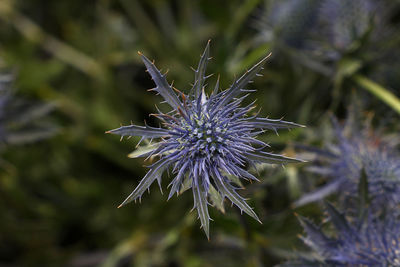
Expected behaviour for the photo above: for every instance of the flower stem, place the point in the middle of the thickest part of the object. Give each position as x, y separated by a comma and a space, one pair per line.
379, 91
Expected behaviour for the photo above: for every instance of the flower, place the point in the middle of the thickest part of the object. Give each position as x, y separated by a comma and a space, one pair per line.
288, 22
351, 20
370, 242
321, 33
19, 118
207, 140
343, 162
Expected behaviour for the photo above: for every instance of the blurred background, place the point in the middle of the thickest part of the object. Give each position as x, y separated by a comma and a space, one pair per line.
76, 64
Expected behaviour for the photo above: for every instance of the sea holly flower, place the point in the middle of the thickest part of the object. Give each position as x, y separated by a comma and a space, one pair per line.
347, 24
324, 35
288, 22
367, 242
352, 153
19, 118
207, 140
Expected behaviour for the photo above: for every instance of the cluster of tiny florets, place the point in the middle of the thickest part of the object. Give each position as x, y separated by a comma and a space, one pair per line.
207, 139
203, 137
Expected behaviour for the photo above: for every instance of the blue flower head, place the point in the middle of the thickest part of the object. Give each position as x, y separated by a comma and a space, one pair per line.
207, 140
345, 161
369, 242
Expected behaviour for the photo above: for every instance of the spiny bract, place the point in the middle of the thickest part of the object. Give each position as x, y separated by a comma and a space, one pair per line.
207, 140
366, 242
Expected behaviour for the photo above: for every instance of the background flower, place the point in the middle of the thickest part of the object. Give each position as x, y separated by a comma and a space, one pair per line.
355, 151
360, 243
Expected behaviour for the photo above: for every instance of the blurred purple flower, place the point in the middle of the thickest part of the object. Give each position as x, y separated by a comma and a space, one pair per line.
288, 22
367, 242
354, 153
319, 33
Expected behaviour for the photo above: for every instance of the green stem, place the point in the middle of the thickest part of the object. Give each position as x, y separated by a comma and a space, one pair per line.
380, 92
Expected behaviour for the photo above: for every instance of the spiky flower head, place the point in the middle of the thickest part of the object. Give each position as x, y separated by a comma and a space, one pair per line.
19, 118
322, 32
353, 154
366, 242
288, 22
206, 140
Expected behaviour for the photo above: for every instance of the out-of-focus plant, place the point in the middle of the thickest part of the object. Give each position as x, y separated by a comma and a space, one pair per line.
366, 242
348, 25
208, 139
21, 121
328, 30
353, 152
287, 23
339, 39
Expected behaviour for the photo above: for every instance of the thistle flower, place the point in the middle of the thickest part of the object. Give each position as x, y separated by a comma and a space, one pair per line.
207, 140
18, 117
347, 21
368, 242
287, 22
351, 25
353, 154
319, 33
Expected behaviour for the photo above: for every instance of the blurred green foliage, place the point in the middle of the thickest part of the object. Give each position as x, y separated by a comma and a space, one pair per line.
58, 197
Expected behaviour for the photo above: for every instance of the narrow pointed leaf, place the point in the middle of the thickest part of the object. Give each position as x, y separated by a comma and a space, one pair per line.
186, 185
234, 179
228, 191
24, 114
29, 135
240, 84
200, 202
134, 130
216, 87
270, 158
154, 173
247, 175
177, 182
338, 219
162, 86
314, 150
378, 91
264, 123
216, 199
363, 194
317, 195
201, 72
315, 237
143, 151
